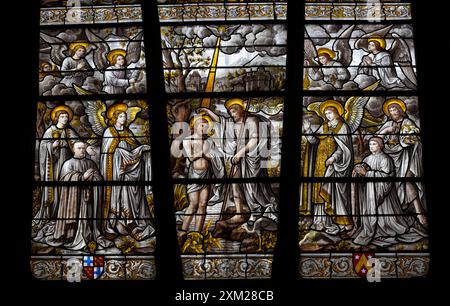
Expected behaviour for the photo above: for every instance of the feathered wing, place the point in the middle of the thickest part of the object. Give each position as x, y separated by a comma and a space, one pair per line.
402, 55
94, 110
362, 42
58, 48
315, 107
371, 122
354, 108
134, 49
132, 113
310, 50
342, 46
101, 50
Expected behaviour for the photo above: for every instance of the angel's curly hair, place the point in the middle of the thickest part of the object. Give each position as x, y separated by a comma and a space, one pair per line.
112, 121
377, 45
332, 108
59, 113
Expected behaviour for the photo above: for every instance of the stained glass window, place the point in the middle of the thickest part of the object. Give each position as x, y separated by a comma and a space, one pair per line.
362, 199
93, 206
228, 140
225, 151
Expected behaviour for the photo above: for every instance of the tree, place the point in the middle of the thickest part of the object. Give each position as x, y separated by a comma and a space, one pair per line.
180, 55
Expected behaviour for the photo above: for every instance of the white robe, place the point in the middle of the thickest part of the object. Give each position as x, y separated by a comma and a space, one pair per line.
382, 68
116, 81
76, 222
71, 74
126, 206
407, 159
260, 198
383, 222
51, 161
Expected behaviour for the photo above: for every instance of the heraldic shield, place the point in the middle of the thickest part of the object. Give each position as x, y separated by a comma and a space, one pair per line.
361, 264
93, 266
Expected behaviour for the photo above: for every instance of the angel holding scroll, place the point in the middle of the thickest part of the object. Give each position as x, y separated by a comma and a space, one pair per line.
123, 158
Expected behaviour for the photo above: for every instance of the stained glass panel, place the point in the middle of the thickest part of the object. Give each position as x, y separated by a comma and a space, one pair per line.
73, 12
223, 232
106, 61
362, 202
224, 58
93, 206
342, 128
371, 10
352, 57
225, 151
225, 135
350, 189
176, 11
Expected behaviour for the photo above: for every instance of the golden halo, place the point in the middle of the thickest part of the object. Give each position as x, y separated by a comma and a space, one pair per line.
333, 103
122, 107
390, 102
61, 108
199, 117
234, 101
115, 52
379, 39
77, 44
327, 51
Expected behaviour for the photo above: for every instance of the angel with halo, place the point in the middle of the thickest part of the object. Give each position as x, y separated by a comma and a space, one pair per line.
71, 58
329, 153
125, 208
114, 63
381, 62
113, 66
329, 65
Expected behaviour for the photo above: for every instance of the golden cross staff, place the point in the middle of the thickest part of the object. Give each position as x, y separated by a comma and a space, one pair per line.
206, 102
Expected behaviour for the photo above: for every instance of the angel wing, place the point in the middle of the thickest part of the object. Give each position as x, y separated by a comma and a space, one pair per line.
362, 42
58, 48
134, 49
94, 111
370, 122
314, 107
401, 54
101, 50
310, 50
132, 113
354, 108
342, 46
